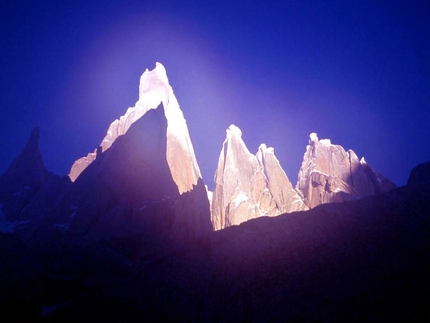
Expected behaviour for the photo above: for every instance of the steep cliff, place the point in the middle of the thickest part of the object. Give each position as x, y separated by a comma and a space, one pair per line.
249, 186
331, 174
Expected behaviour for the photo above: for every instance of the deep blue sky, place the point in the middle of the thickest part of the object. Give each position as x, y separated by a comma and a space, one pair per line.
357, 72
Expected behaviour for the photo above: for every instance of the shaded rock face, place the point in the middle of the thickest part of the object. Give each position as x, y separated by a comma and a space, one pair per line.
419, 178
358, 261
150, 173
130, 188
27, 189
331, 174
154, 89
27, 170
248, 186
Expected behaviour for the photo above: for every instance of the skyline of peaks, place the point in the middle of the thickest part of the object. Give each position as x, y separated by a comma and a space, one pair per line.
328, 172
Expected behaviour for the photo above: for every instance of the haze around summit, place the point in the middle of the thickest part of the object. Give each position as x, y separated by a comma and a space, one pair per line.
357, 74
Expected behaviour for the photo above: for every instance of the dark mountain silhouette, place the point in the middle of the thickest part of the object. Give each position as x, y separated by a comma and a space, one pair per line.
27, 189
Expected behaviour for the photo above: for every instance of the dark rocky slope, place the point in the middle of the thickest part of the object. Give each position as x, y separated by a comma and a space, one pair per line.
27, 188
365, 260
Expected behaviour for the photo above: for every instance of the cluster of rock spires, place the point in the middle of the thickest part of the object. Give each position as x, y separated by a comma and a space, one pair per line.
248, 186
145, 174
111, 242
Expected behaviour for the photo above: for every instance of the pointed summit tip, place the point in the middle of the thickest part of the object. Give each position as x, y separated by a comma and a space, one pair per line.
33, 141
158, 64
234, 131
313, 137
161, 70
153, 79
266, 150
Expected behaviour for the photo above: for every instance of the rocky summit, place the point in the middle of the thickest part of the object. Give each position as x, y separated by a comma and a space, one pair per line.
144, 174
331, 174
154, 89
143, 178
27, 188
249, 186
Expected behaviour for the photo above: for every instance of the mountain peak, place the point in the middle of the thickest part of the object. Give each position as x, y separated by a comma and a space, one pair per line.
234, 131
154, 89
331, 174
154, 80
249, 186
313, 137
33, 141
24, 177
266, 150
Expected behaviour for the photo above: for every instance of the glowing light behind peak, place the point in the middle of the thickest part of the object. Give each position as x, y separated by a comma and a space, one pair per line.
351, 73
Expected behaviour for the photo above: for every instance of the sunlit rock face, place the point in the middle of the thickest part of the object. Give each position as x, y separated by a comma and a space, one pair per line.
248, 186
129, 188
160, 170
79, 165
154, 89
331, 174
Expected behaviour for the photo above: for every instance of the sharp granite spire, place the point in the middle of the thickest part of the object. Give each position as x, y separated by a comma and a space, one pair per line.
154, 89
248, 186
130, 176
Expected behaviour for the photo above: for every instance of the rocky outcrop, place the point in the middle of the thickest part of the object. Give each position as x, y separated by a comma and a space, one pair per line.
23, 179
331, 174
248, 186
154, 89
79, 165
144, 176
27, 189
27, 170
419, 178
130, 188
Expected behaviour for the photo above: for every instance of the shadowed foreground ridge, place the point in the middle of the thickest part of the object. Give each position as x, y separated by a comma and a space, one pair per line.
365, 260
